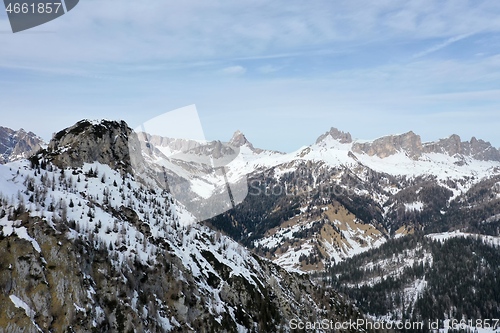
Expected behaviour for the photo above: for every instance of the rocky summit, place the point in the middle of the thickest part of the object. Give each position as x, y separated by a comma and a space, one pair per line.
342, 137
19, 144
108, 142
411, 144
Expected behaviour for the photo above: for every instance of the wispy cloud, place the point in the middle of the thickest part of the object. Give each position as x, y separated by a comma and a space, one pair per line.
442, 45
121, 31
114, 57
234, 70
266, 69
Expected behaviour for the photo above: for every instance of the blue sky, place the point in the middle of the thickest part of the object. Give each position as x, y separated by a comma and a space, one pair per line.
282, 72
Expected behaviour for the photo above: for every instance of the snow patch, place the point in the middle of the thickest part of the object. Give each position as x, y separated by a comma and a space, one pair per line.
414, 206
9, 228
20, 304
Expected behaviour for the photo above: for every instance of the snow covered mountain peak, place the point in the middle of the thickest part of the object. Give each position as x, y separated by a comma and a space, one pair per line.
239, 140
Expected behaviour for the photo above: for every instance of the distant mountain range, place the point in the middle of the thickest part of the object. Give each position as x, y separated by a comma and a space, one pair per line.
338, 197
97, 227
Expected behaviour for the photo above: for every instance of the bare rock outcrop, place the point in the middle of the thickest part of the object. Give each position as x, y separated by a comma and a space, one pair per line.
477, 149
19, 144
410, 143
107, 142
342, 137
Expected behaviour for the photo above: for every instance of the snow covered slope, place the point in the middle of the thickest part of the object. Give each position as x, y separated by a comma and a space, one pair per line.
440, 276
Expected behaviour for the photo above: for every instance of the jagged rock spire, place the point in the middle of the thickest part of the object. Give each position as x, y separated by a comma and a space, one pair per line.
342, 137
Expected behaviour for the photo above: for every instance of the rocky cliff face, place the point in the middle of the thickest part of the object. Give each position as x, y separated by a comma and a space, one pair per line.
481, 150
180, 148
477, 149
383, 147
15, 145
451, 146
214, 149
411, 144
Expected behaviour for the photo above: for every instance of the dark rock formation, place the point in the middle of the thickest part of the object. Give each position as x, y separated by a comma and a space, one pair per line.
19, 144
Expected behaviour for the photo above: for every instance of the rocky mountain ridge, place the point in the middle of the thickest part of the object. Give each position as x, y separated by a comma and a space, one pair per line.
19, 144
411, 144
